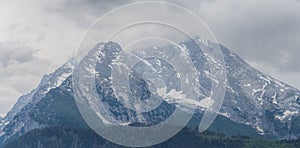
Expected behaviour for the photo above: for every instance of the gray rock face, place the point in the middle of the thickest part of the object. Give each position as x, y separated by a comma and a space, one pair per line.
256, 99
18, 120
252, 98
47, 83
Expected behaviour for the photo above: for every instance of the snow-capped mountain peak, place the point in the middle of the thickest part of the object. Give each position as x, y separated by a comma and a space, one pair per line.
252, 98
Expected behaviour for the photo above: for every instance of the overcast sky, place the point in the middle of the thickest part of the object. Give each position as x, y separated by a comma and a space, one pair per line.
37, 36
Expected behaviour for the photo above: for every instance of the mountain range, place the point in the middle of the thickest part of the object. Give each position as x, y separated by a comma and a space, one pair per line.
255, 104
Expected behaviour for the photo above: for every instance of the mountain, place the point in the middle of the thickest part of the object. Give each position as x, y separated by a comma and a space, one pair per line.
255, 104
48, 82
256, 99
18, 118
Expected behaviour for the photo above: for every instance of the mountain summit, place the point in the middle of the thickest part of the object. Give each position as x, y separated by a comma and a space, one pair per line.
254, 102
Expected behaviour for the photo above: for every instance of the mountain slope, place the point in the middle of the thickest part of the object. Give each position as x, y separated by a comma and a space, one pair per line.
17, 120
48, 82
256, 99
253, 101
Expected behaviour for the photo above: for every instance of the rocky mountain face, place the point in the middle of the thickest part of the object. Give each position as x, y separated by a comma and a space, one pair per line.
256, 99
252, 99
18, 120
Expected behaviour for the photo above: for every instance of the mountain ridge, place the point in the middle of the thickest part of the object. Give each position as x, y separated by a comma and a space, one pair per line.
252, 98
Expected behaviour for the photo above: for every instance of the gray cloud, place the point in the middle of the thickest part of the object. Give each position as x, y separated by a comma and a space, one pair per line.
264, 31
260, 31
7, 102
13, 52
20, 70
83, 12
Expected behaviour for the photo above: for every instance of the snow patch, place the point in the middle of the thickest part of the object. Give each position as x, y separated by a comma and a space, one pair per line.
232, 55
247, 85
286, 114
279, 83
204, 41
260, 130
174, 96
268, 80
225, 114
61, 79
